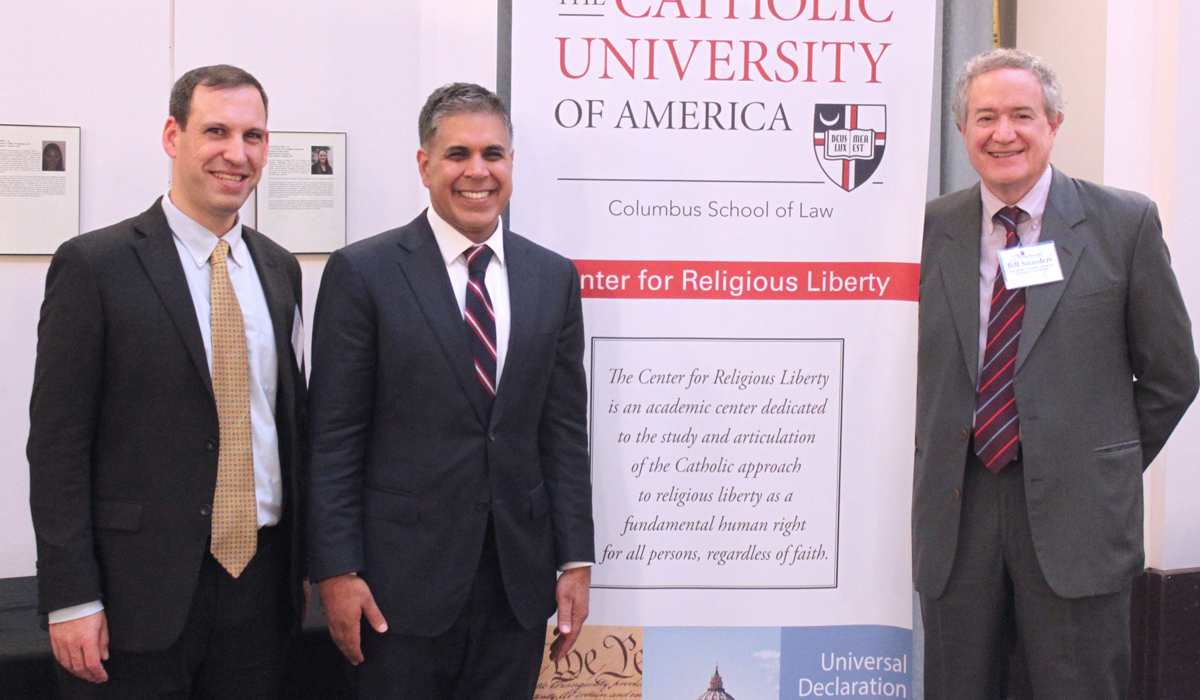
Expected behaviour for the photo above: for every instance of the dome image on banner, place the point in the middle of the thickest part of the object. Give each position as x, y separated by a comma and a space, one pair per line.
716, 688
849, 141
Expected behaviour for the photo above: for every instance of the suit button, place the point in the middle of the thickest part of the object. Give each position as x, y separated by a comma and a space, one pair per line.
210, 444
205, 511
957, 495
492, 436
964, 433
481, 506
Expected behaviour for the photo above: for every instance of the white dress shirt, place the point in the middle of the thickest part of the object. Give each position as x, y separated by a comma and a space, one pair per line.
994, 237
195, 245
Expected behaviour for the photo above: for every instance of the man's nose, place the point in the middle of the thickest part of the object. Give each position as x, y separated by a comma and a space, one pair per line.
1005, 130
477, 167
235, 151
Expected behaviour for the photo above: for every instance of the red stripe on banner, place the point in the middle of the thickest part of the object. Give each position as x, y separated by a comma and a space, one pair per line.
854, 116
846, 184
689, 279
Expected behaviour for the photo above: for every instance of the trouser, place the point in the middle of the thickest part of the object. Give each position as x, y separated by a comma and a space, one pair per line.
485, 655
997, 601
232, 647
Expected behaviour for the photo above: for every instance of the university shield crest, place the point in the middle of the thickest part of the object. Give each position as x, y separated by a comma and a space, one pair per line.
849, 141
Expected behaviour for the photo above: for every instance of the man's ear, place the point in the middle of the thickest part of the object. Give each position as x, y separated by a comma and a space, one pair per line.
423, 166
170, 136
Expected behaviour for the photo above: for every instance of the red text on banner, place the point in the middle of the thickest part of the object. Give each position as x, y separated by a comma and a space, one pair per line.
690, 279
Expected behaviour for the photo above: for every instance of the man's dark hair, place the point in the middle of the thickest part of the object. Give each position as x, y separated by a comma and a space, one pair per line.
222, 77
459, 98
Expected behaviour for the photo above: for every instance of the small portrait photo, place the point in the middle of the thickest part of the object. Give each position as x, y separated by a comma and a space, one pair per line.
322, 160
54, 156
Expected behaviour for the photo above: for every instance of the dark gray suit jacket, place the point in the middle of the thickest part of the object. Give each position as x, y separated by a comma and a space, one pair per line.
1105, 369
123, 435
407, 460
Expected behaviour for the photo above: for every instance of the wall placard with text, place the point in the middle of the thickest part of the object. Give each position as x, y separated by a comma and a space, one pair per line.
39, 188
301, 200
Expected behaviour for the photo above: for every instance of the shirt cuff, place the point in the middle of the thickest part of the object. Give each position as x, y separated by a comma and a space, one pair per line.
574, 565
75, 612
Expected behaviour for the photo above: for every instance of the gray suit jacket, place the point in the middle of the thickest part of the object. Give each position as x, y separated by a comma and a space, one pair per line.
1105, 369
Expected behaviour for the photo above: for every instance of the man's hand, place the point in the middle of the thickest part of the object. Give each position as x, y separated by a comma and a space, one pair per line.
574, 587
81, 645
346, 599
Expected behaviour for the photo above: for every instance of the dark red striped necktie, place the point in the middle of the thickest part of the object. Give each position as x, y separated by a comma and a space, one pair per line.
997, 427
481, 318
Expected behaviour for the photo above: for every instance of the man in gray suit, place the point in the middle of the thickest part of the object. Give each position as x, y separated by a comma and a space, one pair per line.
1040, 401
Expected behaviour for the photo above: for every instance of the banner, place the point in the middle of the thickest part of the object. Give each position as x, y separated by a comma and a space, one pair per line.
741, 184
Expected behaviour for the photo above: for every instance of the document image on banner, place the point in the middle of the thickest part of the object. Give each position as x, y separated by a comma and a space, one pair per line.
301, 201
39, 188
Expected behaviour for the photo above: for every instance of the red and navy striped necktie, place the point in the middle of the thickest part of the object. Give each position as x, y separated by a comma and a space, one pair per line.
997, 427
481, 318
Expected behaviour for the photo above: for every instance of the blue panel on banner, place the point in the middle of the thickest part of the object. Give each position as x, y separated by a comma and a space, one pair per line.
861, 661
681, 662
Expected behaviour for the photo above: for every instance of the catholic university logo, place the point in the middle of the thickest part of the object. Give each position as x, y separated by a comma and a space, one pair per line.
849, 141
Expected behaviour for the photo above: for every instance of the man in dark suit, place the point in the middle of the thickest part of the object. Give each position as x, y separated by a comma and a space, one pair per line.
450, 474
1040, 401
165, 439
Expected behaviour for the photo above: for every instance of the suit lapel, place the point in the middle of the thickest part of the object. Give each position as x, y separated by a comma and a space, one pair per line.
523, 290
960, 273
1063, 212
160, 259
422, 265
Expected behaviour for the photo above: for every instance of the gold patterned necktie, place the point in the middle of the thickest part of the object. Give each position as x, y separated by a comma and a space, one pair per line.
234, 513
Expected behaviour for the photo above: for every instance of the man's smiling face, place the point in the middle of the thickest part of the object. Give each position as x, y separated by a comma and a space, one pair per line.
468, 170
218, 159
1007, 133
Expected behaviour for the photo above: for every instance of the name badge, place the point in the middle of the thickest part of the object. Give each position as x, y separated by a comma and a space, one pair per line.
1026, 266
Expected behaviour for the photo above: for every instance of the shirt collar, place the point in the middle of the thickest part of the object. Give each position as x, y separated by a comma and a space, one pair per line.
199, 241
452, 243
1033, 203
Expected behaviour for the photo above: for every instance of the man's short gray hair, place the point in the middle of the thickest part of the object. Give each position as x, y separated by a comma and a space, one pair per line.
999, 59
459, 98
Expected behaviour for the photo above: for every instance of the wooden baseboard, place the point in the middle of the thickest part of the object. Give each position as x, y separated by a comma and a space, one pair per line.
1165, 630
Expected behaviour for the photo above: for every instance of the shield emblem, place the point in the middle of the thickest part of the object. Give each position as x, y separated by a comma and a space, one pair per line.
849, 141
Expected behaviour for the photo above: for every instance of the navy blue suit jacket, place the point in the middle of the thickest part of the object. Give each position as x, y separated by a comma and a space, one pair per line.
407, 458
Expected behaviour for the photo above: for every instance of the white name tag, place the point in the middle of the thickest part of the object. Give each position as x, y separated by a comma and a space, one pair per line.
1026, 266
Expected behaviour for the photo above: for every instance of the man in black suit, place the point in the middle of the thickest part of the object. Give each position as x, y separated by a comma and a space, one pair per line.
165, 439
450, 473
1039, 403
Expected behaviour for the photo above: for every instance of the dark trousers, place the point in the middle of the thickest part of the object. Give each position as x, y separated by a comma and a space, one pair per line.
485, 655
233, 642
997, 602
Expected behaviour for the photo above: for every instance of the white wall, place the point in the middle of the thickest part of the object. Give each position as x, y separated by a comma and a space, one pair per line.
73, 64
1131, 75
1153, 100
1070, 35
362, 68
